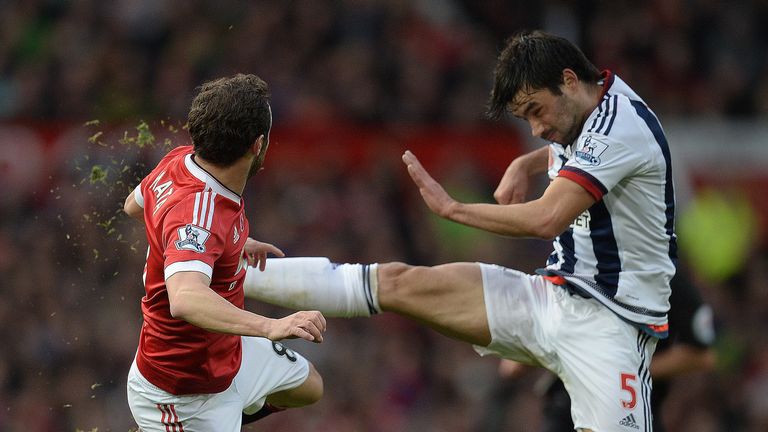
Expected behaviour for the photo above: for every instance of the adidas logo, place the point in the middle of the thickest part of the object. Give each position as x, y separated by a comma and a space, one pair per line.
629, 421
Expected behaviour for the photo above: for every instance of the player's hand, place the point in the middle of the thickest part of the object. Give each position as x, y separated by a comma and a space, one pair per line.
256, 253
308, 325
436, 198
513, 186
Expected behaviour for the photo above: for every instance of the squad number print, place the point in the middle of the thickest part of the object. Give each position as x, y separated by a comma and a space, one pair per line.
282, 350
627, 385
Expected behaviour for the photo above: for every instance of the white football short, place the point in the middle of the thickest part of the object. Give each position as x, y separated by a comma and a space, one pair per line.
265, 369
603, 361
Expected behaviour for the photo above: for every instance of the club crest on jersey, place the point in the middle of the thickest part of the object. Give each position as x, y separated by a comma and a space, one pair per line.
192, 238
589, 151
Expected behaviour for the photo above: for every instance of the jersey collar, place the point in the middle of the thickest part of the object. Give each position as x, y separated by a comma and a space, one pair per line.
204, 176
606, 80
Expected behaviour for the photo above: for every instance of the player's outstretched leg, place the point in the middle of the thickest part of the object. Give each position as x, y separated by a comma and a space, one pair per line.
448, 297
345, 290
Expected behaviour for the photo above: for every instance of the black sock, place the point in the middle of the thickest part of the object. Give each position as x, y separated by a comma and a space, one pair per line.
266, 410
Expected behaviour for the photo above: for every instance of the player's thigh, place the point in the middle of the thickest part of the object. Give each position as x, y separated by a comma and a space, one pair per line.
155, 410
522, 311
605, 366
269, 367
448, 297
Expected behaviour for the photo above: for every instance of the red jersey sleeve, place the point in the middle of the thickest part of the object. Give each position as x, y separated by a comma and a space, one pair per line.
190, 242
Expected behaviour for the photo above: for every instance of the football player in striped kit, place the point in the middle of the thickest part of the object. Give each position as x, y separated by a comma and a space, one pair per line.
594, 314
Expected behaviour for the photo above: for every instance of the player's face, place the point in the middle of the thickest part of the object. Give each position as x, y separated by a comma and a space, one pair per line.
552, 117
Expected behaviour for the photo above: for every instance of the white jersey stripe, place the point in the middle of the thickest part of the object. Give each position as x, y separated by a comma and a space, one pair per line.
197, 206
211, 208
204, 208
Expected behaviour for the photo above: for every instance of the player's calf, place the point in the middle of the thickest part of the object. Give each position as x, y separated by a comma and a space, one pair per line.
336, 290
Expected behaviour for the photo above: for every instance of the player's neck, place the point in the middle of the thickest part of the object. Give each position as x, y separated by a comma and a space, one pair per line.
590, 98
233, 177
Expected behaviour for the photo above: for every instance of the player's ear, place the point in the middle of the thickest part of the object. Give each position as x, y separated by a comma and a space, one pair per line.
257, 145
570, 79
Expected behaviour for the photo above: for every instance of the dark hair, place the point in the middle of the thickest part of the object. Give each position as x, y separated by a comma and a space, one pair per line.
227, 116
533, 61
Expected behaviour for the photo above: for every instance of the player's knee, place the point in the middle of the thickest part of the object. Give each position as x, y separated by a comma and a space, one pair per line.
314, 386
309, 392
395, 282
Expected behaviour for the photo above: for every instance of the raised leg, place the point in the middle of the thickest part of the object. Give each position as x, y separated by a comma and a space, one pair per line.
448, 298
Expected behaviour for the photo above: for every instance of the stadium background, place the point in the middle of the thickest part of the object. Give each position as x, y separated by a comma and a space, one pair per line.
354, 83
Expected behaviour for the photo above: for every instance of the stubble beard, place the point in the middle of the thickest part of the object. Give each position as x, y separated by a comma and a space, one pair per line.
574, 122
258, 161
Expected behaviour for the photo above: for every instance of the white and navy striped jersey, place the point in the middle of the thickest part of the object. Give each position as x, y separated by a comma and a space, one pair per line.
622, 250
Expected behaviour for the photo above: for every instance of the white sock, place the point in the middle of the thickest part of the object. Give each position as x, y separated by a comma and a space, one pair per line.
336, 290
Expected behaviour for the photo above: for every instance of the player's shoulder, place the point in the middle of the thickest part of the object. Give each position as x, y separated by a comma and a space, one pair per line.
171, 161
175, 156
626, 125
205, 207
180, 151
621, 114
616, 118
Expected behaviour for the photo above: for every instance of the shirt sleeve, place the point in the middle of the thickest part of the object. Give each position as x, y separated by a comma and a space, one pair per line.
190, 243
138, 196
598, 163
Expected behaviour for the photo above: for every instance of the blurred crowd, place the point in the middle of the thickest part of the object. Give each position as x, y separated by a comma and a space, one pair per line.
365, 60
72, 262
71, 312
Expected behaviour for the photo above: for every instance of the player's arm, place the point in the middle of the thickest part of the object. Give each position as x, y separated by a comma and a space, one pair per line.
681, 358
513, 186
192, 300
133, 208
545, 217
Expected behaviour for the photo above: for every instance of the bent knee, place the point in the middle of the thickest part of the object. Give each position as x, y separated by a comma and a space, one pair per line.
309, 392
314, 385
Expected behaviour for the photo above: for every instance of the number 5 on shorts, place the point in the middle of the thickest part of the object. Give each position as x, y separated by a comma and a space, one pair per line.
625, 385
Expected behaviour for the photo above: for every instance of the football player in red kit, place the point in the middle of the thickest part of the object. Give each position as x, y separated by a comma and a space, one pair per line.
203, 362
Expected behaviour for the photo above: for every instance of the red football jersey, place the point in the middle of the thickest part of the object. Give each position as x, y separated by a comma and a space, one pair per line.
193, 223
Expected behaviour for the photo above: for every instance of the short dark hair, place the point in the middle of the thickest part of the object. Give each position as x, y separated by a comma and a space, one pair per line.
227, 116
535, 60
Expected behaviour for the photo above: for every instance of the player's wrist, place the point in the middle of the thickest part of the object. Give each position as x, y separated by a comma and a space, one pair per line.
453, 210
265, 327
